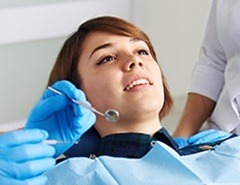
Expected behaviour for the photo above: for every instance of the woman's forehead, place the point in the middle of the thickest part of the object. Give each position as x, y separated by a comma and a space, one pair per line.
98, 40
101, 36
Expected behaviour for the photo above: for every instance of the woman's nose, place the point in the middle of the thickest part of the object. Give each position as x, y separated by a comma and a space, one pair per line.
133, 63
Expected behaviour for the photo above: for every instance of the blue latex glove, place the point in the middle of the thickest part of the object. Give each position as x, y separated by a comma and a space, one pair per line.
60, 117
23, 157
206, 136
181, 141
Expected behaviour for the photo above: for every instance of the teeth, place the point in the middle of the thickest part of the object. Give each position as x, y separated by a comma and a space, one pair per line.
137, 82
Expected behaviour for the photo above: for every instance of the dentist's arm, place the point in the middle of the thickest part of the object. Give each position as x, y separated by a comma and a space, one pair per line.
197, 109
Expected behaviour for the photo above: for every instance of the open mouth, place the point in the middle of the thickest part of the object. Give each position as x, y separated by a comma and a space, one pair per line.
137, 82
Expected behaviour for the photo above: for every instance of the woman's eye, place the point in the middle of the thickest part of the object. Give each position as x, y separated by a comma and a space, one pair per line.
106, 59
142, 52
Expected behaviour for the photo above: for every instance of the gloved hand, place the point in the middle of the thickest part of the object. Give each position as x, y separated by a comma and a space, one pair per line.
60, 117
181, 141
210, 135
23, 157
206, 136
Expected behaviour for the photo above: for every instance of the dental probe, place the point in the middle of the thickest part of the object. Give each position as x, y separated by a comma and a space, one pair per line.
110, 115
53, 142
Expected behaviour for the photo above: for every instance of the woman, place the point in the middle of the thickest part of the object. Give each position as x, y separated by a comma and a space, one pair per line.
115, 66
114, 63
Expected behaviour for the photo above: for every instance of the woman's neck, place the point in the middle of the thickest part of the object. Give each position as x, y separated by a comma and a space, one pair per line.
126, 126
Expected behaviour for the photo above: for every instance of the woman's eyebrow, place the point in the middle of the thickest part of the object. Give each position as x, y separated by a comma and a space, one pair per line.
107, 45
101, 47
135, 39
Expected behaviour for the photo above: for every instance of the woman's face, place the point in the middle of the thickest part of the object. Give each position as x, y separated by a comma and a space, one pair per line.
118, 72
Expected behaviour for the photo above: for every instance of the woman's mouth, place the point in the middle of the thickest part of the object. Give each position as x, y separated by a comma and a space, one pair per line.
137, 82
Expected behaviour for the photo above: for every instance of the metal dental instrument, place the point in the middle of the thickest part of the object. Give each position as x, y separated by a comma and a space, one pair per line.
53, 142
110, 115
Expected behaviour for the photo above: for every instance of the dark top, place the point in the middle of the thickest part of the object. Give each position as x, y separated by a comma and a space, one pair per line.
135, 145
130, 145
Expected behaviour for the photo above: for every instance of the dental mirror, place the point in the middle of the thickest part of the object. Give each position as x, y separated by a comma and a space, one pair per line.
110, 115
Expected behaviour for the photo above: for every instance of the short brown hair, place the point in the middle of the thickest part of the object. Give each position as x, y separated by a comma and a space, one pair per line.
66, 64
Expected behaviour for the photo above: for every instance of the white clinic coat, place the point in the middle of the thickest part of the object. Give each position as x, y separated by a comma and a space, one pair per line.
217, 73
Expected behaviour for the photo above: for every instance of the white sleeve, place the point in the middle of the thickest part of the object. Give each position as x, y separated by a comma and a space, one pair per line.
208, 76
